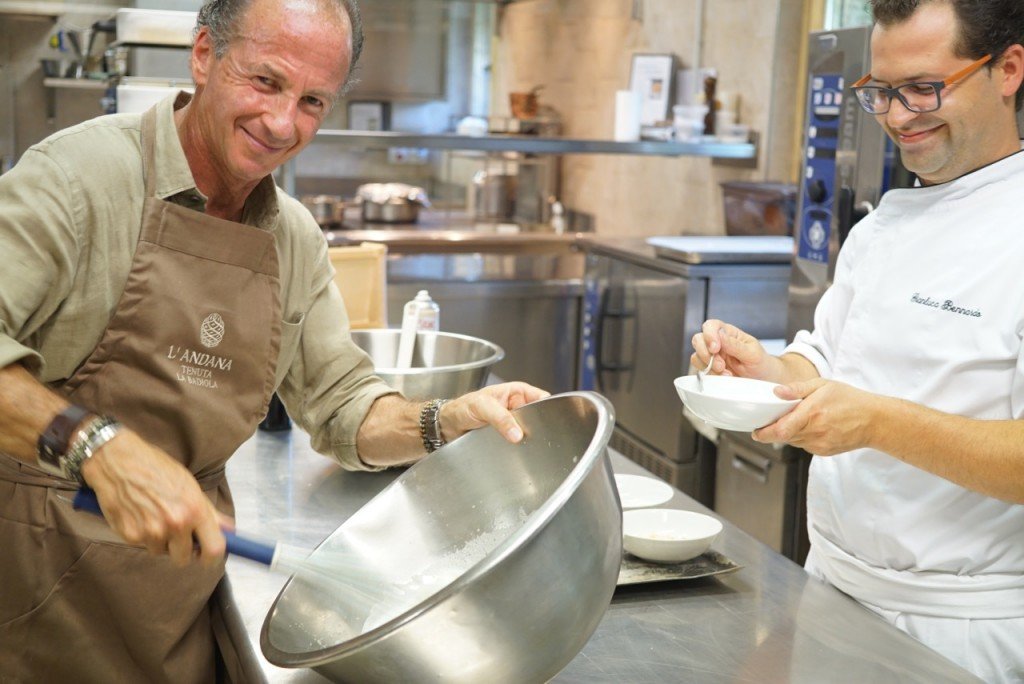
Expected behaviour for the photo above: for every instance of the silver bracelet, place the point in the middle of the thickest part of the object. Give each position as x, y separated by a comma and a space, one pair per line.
87, 442
430, 425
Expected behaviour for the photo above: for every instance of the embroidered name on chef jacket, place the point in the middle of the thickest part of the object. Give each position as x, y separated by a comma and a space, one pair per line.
944, 305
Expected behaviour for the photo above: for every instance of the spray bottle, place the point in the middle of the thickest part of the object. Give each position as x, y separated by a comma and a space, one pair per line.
419, 314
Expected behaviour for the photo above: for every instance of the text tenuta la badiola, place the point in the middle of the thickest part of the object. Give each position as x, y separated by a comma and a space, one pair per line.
198, 358
944, 306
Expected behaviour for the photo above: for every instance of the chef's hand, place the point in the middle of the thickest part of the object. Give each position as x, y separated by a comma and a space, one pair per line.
735, 352
832, 417
151, 499
492, 405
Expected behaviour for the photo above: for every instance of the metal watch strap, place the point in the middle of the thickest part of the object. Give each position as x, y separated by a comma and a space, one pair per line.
54, 441
430, 425
90, 438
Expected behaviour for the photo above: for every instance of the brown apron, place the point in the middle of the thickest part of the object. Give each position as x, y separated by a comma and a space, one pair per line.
187, 361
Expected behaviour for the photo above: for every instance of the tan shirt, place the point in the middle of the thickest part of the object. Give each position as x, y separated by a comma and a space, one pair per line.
70, 216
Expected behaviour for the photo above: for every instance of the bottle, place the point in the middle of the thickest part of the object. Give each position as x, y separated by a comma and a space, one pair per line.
557, 217
419, 314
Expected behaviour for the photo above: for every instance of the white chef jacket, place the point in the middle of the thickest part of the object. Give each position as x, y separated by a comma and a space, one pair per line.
927, 305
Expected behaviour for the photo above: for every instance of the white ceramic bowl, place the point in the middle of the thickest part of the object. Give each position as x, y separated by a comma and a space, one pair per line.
665, 535
638, 491
731, 403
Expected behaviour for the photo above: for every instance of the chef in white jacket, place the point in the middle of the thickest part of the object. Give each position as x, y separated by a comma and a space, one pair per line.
912, 380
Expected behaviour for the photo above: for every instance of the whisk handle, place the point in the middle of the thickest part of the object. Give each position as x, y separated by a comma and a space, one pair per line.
85, 500
249, 548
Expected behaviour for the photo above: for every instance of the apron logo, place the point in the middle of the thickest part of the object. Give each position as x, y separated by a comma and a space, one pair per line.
211, 332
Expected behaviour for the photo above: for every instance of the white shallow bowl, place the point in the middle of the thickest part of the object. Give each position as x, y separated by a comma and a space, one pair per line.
665, 535
638, 491
731, 403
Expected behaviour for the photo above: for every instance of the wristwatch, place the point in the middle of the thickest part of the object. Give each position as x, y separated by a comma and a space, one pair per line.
430, 425
54, 441
91, 437
62, 449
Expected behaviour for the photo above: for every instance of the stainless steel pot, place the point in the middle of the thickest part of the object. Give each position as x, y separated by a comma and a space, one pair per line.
494, 195
392, 211
325, 209
391, 202
444, 365
519, 614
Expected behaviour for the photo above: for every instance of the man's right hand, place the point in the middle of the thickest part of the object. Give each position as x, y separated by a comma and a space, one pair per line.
151, 499
735, 352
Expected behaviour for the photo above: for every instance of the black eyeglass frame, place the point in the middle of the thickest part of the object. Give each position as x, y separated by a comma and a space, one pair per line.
938, 86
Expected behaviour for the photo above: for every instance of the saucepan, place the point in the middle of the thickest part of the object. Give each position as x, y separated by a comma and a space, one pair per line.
503, 558
391, 202
326, 209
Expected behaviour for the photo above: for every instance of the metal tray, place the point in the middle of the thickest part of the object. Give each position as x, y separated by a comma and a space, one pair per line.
707, 249
637, 571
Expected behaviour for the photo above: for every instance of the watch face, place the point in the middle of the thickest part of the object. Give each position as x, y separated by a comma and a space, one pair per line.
56, 438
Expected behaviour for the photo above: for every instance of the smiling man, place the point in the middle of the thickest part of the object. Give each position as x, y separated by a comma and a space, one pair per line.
157, 289
912, 380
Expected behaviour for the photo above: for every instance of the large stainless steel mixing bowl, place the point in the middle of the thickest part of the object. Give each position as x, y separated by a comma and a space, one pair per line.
444, 365
548, 510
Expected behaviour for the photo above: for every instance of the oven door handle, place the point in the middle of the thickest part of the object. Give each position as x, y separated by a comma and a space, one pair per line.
755, 466
604, 312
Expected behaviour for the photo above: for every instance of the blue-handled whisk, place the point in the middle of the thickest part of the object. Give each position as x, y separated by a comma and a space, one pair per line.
331, 573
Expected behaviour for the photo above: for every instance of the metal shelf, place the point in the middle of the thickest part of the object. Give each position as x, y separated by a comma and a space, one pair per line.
52, 9
537, 145
76, 83
142, 44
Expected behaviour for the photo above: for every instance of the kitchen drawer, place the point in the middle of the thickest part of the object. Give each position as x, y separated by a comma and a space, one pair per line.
752, 487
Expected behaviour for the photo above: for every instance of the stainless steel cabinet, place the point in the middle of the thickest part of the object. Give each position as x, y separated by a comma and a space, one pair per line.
527, 304
640, 313
761, 489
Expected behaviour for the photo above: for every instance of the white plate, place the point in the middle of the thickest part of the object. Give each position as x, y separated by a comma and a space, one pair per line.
638, 491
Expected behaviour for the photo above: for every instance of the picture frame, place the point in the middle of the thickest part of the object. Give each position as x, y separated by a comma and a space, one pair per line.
653, 77
369, 115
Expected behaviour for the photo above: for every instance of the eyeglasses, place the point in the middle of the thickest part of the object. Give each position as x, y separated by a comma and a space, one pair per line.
920, 96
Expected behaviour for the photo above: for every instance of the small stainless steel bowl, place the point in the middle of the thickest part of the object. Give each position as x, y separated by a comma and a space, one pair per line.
517, 610
444, 365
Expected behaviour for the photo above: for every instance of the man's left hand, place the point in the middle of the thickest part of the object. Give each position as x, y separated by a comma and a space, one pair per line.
492, 405
832, 418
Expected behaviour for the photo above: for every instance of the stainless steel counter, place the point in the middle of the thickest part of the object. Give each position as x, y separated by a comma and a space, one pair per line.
768, 622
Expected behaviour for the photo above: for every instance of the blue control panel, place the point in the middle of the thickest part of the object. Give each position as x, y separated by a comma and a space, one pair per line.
591, 313
819, 191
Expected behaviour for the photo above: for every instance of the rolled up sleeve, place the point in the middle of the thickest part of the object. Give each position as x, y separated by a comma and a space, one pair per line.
39, 247
329, 385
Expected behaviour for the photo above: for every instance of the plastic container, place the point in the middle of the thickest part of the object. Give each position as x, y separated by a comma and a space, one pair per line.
734, 133
759, 208
360, 272
155, 27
